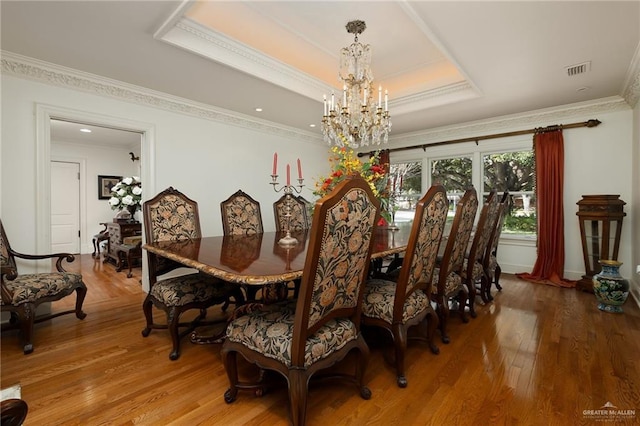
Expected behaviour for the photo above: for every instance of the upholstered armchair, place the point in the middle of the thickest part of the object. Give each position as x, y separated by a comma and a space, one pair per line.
299, 338
473, 274
23, 293
447, 277
397, 306
172, 216
490, 262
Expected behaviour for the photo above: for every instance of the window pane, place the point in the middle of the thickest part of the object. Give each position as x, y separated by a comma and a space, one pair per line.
456, 177
406, 185
513, 171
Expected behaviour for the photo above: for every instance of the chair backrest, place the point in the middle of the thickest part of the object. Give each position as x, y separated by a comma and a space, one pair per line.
7, 266
492, 246
169, 216
484, 229
337, 262
299, 217
7, 260
422, 248
241, 215
455, 250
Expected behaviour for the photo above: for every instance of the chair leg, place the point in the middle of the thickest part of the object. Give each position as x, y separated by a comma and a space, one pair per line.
443, 315
298, 390
147, 306
26, 318
173, 322
463, 299
471, 300
485, 288
81, 292
361, 366
231, 367
432, 326
400, 344
497, 274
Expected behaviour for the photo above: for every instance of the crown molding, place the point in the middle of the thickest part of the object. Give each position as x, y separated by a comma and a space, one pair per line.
193, 37
631, 88
46, 72
530, 119
445, 95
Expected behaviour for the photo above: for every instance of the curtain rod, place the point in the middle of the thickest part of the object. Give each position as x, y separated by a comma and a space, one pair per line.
588, 123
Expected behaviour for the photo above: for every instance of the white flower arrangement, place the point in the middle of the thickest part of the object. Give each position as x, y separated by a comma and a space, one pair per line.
127, 194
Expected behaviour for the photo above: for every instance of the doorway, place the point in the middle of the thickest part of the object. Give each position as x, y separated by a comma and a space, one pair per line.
44, 115
102, 151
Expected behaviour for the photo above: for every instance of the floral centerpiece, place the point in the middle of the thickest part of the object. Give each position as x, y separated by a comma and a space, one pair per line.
344, 162
127, 194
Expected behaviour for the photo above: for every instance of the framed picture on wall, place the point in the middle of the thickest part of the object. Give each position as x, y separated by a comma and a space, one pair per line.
105, 183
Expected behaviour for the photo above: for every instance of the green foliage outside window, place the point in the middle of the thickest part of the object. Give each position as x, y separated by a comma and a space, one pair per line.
514, 172
452, 173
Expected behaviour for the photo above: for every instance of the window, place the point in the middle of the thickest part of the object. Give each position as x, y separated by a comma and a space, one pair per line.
406, 186
455, 174
501, 164
513, 172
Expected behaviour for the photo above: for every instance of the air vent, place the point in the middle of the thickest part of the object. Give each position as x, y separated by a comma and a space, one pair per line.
578, 69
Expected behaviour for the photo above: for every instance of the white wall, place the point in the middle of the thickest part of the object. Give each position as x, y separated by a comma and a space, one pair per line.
634, 218
98, 160
209, 159
598, 160
205, 159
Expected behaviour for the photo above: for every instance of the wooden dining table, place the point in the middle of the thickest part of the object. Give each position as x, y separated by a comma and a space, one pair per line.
258, 259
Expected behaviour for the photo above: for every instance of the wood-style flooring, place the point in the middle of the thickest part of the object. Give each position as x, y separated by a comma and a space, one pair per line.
537, 355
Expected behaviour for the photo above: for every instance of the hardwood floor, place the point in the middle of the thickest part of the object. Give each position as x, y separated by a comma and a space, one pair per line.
537, 355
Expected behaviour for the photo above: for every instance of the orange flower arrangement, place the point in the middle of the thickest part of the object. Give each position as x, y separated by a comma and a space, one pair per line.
345, 162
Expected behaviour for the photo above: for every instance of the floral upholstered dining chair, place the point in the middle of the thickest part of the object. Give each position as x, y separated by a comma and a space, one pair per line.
241, 215
23, 293
172, 216
447, 277
299, 219
297, 338
473, 273
397, 306
490, 262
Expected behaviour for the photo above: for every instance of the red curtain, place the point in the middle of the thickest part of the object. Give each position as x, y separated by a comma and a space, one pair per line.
549, 156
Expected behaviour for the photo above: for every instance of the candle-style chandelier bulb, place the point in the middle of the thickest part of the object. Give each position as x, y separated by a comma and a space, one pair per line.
355, 118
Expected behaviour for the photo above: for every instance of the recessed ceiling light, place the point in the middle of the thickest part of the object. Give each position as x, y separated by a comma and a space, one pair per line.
258, 109
312, 125
85, 130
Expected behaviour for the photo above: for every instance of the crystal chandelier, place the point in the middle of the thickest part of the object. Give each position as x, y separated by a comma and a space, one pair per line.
356, 120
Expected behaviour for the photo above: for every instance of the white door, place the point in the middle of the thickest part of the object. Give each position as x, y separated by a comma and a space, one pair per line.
65, 207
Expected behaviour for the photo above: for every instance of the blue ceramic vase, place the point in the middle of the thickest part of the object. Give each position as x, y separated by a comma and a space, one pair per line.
610, 288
